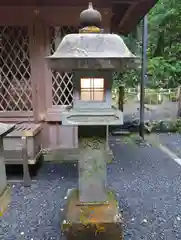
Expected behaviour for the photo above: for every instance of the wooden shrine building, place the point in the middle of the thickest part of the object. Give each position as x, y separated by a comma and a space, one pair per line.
31, 30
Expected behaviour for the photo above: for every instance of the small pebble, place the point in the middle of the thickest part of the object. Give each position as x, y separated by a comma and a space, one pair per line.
144, 221
65, 197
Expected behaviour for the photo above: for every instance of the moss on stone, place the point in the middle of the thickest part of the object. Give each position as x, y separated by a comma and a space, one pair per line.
94, 212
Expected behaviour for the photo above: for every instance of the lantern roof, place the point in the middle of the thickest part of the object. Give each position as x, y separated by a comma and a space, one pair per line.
91, 48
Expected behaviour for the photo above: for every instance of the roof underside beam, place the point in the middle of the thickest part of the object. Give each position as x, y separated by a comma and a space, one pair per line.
126, 14
134, 12
68, 3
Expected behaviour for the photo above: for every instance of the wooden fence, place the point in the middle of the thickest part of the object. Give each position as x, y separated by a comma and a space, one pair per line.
152, 96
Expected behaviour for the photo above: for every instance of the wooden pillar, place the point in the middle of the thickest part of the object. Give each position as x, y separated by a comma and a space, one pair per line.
48, 73
38, 69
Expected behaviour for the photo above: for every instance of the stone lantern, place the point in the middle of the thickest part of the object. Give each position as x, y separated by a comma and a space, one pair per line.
92, 56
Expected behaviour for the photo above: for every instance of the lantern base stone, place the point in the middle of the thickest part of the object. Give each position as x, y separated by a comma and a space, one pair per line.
92, 221
5, 199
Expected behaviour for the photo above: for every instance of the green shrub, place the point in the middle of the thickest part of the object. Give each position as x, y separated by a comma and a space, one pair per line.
173, 98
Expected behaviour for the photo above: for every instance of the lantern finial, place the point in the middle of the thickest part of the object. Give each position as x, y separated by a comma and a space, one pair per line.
90, 17
90, 5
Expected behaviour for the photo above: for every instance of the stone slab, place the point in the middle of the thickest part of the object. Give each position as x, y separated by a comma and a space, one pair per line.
5, 199
5, 129
91, 220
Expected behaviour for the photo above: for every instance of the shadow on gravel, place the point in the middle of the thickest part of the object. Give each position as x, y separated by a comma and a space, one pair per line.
52, 171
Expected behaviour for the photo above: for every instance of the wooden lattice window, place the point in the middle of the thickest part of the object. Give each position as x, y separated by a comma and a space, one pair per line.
62, 86
92, 89
15, 72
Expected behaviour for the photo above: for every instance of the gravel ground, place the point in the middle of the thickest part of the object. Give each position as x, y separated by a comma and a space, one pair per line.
167, 110
172, 141
148, 187
35, 213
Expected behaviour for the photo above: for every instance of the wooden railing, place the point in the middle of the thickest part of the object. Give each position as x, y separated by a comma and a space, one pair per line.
152, 96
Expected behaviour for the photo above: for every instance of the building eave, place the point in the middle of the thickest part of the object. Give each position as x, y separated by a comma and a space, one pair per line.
127, 14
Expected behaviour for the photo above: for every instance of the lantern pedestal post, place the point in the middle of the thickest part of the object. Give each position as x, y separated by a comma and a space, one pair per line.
92, 208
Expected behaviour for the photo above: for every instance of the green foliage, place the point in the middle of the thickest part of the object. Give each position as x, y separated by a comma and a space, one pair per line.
164, 47
130, 78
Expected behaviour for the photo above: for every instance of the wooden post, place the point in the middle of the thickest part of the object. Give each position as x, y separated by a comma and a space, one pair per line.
179, 102
143, 75
3, 181
5, 129
38, 68
121, 97
26, 173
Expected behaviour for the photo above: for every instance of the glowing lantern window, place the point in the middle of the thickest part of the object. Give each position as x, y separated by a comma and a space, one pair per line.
92, 89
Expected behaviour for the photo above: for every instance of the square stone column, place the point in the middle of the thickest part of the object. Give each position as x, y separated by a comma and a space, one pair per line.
92, 164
